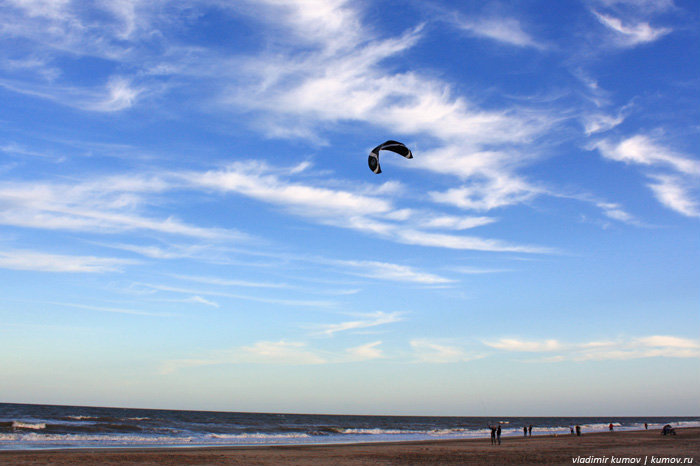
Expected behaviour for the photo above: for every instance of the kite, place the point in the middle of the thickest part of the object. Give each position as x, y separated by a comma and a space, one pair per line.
393, 146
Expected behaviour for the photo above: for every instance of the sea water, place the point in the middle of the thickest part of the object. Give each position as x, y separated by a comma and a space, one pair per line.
24, 426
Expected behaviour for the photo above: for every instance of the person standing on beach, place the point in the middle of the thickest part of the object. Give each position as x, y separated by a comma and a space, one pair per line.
493, 435
572, 429
498, 434
529, 430
646, 426
524, 431
578, 430
610, 427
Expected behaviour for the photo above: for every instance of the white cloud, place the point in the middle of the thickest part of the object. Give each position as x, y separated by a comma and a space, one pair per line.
643, 150
117, 310
619, 349
392, 272
224, 294
117, 94
120, 95
359, 211
343, 78
676, 194
115, 204
600, 122
262, 352
331, 23
432, 352
258, 181
467, 243
455, 223
505, 30
494, 192
314, 90
668, 342
365, 352
287, 353
641, 347
616, 212
46, 262
279, 352
676, 190
200, 300
228, 282
647, 6
630, 35
42, 8
512, 344
106, 205
369, 320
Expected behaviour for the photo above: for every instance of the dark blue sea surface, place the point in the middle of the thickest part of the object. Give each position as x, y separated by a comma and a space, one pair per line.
24, 426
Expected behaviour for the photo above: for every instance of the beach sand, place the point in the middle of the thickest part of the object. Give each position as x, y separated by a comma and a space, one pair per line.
604, 448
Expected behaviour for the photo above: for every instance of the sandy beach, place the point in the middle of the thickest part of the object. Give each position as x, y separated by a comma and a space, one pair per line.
638, 447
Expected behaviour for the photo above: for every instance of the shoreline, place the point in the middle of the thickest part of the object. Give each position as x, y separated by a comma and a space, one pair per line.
315, 444
641, 445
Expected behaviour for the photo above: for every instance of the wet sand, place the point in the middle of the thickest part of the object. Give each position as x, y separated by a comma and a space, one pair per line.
638, 447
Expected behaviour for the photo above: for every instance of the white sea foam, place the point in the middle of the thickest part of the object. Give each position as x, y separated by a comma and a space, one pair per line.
28, 425
255, 435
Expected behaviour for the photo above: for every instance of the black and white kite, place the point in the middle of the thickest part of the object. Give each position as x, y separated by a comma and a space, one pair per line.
393, 146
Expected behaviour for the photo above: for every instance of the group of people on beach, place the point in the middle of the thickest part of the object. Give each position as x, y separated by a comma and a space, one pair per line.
496, 433
575, 430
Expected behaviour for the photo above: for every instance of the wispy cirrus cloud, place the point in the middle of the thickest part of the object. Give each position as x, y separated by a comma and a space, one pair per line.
120, 203
643, 150
262, 352
431, 351
49, 262
512, 344
676, 193
49, 38
282, 352
673, 175
619, 349
602, 122
365, 352
314, 90
439, 352
108, 205
111, 309
500, 29
631, 34
340, 76
177, 290
391, 272
332, 23
368, 320
347, 208
118, 93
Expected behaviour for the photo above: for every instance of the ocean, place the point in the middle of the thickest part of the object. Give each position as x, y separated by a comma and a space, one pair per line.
29, 427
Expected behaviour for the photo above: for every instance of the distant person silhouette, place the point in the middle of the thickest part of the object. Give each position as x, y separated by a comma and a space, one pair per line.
498, 434
524, 431
578, 430
529, 430
493, 435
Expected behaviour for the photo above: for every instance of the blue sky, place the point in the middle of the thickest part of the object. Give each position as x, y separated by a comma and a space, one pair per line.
187, 219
